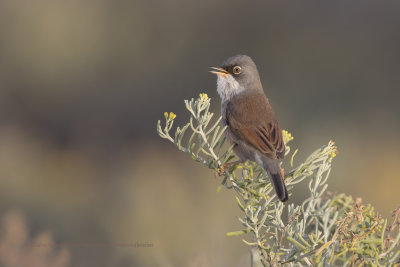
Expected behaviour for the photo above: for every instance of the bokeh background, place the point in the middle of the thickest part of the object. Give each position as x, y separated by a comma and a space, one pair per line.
83, 83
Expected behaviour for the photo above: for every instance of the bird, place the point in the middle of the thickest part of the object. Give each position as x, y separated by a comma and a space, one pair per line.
251, 122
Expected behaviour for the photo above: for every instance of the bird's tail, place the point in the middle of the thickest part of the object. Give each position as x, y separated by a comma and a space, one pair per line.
275, 173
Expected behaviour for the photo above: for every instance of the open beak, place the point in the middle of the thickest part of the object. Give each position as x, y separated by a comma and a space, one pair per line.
219, 71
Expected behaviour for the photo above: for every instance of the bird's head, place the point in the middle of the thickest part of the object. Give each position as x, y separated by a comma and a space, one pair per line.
236, 75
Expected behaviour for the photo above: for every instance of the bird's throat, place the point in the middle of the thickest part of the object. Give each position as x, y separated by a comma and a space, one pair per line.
228, 87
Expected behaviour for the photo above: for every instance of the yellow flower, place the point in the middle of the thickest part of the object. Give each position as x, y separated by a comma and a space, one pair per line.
332, 154
203, 97
172, 115
287, 136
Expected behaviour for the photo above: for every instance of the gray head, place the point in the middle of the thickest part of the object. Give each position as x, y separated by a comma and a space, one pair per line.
238, 74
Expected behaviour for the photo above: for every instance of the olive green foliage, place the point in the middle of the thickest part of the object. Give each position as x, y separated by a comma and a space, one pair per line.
325, 230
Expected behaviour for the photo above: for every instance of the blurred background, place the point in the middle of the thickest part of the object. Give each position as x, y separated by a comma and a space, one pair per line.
83, 83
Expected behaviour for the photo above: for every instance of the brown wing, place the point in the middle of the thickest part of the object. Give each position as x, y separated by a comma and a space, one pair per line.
251, 119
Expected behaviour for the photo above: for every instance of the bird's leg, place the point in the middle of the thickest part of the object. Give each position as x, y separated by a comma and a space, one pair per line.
282, 172
227, 166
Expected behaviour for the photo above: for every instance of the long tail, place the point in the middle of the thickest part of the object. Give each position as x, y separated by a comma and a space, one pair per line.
275, 173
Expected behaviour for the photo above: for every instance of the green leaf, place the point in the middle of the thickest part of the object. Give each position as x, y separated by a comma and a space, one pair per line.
237, 233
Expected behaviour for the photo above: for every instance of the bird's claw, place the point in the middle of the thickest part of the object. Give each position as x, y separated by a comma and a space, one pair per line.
221, 171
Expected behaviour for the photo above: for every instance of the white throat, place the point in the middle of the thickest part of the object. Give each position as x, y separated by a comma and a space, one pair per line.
227, 87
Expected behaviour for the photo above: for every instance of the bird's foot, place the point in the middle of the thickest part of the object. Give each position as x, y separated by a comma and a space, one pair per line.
226, 166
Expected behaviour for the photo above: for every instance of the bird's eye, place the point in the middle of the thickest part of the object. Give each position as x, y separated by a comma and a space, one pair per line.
237, 69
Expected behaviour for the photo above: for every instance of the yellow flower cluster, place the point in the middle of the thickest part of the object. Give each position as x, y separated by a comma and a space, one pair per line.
286, 136
333, 154
203, 97
169, 116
